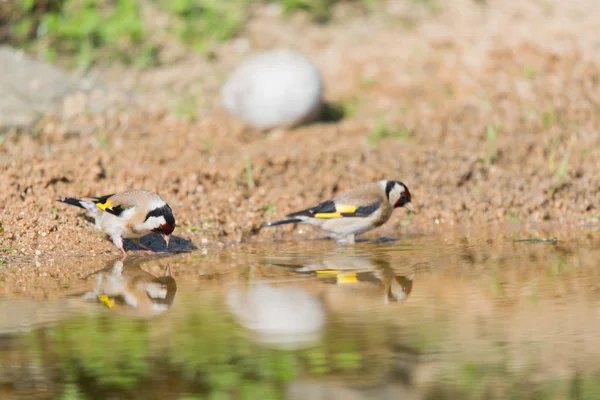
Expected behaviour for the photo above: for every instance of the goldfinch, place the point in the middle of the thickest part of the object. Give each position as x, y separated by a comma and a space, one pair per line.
354, 212
390, 286
368, 276
130, 214
129, 290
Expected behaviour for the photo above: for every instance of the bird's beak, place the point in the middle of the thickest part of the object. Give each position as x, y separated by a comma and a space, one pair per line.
166, 238
410, 207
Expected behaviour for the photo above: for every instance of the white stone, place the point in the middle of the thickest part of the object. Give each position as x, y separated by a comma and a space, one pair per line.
279, 87
281, 317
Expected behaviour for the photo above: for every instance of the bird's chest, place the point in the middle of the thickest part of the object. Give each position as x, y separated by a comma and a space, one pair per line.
133, 231
382, 215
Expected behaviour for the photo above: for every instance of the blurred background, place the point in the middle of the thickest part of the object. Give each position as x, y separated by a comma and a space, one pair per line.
238, 112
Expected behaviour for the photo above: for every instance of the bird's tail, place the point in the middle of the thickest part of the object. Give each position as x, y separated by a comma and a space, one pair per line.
86, 205
283, 221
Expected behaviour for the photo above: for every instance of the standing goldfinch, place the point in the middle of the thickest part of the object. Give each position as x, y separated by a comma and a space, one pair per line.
354, 212
130, 214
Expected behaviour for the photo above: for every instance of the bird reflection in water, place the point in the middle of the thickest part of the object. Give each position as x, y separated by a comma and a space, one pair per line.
369, 276
128, 290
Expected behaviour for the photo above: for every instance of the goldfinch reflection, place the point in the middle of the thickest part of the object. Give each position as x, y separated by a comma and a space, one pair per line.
371, 277
129, 290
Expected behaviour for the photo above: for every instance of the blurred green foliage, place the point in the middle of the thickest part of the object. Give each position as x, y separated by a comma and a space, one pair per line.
199, 22
383, 130
198, 351
201, 351
85, 31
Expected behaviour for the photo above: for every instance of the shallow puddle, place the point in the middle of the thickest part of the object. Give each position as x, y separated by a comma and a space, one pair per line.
423, 317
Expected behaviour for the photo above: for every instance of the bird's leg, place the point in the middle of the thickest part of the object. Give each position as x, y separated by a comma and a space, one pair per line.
118, 241
348, 239
118, 268
148, 249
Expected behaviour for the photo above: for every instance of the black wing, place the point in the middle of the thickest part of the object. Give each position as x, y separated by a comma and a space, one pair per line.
326, 207
365, 211
329, 209
101, 202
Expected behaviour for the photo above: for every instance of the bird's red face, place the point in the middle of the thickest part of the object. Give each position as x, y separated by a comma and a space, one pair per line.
399, 195
403, 199
164, 229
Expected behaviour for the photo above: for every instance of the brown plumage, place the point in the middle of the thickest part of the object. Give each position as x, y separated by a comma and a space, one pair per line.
355, 211
130, 214
131, 291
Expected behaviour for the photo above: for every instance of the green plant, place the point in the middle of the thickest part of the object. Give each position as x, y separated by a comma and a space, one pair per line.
552, 156
84, 28
561, 173
334, 112
269, 208
382, 130
84, 32
200, 23
513, 218
249, 174
408, 221
548, 119
102, 139
186, 109
208, 145
529, 72
320, 10
492, 140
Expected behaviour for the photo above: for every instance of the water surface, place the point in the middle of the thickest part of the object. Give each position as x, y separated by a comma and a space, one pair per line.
426, 317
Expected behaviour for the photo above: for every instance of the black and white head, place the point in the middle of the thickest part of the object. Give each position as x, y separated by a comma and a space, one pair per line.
161, 291
160, 219
398, 195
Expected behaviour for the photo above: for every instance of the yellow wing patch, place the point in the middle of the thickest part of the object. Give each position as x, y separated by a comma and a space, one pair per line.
339, 210
104, 299
341, 277
104, 206
347, 277
327, 273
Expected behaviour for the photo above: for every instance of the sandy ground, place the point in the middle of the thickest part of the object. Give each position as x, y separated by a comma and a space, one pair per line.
447, 76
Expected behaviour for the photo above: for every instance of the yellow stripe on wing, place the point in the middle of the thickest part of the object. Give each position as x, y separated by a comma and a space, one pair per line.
104, 206
339, 210
327, 273
104, 299
347, 277
341, 277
